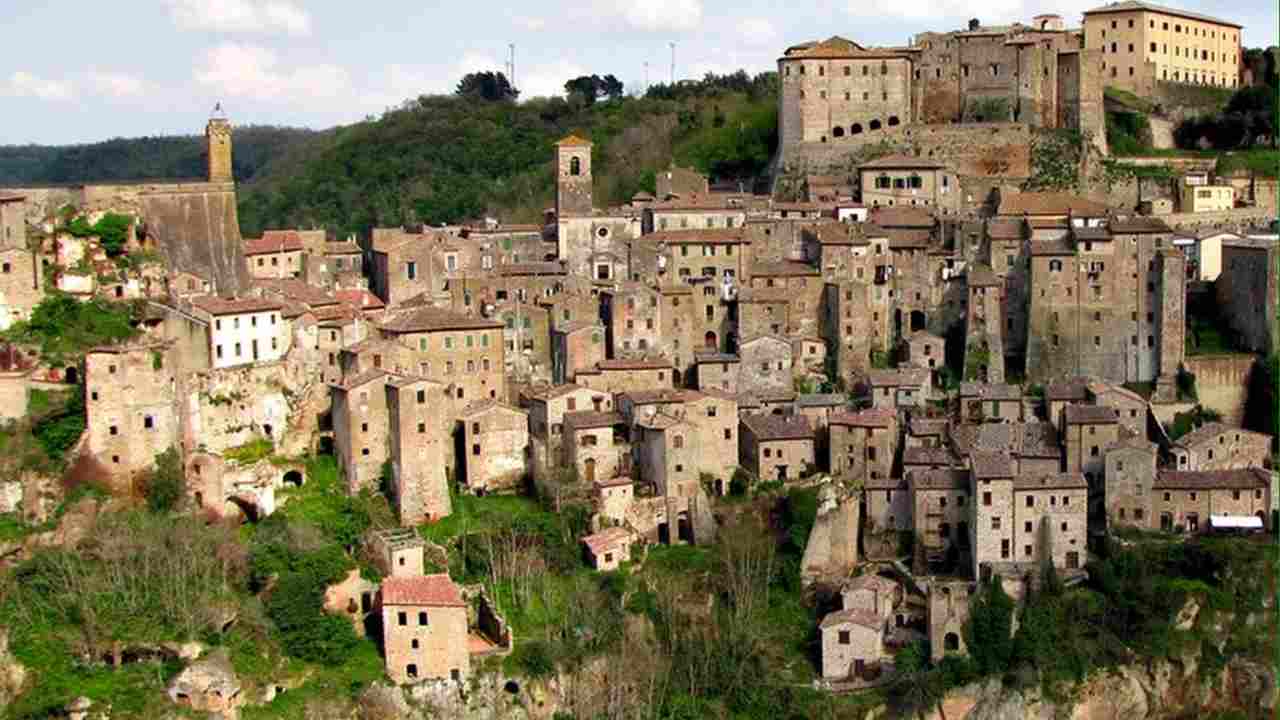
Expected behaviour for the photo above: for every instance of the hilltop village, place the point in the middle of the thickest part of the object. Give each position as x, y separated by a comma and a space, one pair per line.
979, 380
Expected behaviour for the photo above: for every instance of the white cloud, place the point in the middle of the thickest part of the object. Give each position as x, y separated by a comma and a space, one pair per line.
547, 80
943, 15
116, 84
260, 16
532, 24
757, 31
255, 73
24, 84
651, 15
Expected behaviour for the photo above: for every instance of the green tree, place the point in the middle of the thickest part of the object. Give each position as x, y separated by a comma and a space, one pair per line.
167, 482
488, 86
989, 632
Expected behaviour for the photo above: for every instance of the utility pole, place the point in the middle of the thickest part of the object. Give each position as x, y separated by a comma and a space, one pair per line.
511, 64
646, 76
673, 62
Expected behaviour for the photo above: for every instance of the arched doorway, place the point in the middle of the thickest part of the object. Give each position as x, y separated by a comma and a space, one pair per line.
917, 320
709, 340
951, 641
589, 471
294, 478
239, 510
71, 375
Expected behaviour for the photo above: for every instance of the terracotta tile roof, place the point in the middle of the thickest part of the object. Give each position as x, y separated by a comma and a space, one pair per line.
845, 233
872, 418
664, 395
1091, 234
1138, 224
1131, 5
869, 582
767, 426
1069, 389
936, 456
431, 319
532, 268
856, 616
837, 47
991, 465
1039, 439
1245, 479
426, 590
902, 377
1061, 246
822, 400
572, 140
1049, 203
902, 161
1209, 432
783, 268
613, 482
800, 206
297, 289
606, 540
776, 396
902, 216
360, 299
940, 479
633, 365
341, 248
554, 391
589, 419
354, 381
1006, 228
1056, 481
923, 427
904, 239
273, 241
990, 391
234, 306
1090, 415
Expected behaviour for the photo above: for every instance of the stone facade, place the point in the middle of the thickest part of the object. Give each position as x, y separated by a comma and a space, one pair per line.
21, 284
863, 444
1130, 480
1186, 500
495, 438
424, 629
1215, 446
765, 364
130, 407
418, 448
1143, 44
776, 447
941, 509
948, 612
547, 409
1247, 291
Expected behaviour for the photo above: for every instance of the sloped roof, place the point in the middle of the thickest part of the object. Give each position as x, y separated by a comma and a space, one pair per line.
426, 590
871, 418
940, 479
988, 465
899, 160
1132, 5
273, 241
431, 319
1049, 203
607, 540
234, 306
1246, 479
572, 140
783, 268
1056, 481
857, 616
902, 216
767, 426
990, 391
1090, 415
587, 419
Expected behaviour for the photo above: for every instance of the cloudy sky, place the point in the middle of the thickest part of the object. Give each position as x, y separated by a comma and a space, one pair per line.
84, 71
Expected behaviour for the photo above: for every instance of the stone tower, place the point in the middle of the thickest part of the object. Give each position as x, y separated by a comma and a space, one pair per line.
573, 177
217, 136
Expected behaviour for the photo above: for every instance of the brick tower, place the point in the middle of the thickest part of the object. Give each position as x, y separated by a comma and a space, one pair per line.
217, 136
573, 177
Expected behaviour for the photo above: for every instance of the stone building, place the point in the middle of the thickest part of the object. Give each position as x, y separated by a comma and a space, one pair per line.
1050, 513
424, 629
465, 353
925, 350
592, 244
941, 511
863, 444
765, 364
576, 346
763, 311
716, 370
1187, 500
1247, 290
495, 439
1088, 430
609, 548
906, 180
360, 428
130, 407
668, 454
547, 409
987, 402
403, 263
419, 449
242, 330
802, 282
597, 445
613, 497
1215, 446
888, 502
21, 284
680, 182
992, 521
776, 447
717, 210
277, 254
632, 316
847, 328
948, 613
1130, 480
1143, 43
852, 643
893, 389
620, 376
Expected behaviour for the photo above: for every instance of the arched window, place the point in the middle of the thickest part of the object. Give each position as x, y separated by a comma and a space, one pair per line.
855, 129
951, 641
893, 120
875, 125
1055, 266
575, 166
837, 131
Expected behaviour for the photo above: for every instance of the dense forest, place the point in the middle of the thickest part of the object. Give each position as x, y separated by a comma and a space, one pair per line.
179, 156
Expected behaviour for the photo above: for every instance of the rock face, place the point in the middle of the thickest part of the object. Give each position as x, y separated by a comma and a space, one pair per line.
1156, 690
832, 548
209, 685
13, 674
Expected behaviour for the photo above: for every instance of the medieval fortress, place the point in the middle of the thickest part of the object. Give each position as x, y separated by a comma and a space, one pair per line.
946, 352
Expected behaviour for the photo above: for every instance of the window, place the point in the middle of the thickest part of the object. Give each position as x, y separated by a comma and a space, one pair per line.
844, 637
1031, 501
995, 522
986, 498
402, 618
422, 617
411, 270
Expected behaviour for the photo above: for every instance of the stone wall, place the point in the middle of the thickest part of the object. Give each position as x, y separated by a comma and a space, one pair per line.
1238, 220
1222, 382
975, 149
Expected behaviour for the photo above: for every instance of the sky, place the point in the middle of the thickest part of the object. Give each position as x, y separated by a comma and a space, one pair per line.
84, 71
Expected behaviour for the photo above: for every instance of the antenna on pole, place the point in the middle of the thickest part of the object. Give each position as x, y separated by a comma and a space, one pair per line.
511, 65
646, 76
673, 62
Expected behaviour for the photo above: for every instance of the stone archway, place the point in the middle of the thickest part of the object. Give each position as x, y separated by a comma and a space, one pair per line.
71, 375
294, 478
239, 509
918, 320
709, 341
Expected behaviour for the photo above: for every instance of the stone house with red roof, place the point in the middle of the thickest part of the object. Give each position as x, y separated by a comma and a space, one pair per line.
424, 629
1216, 446
277, 254
776, 447
495, 442
609, 548
863, 444
1187, 499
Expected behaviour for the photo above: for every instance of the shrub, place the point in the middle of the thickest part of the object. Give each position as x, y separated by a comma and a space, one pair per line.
740, 481
166, 484
533, 658
988, 633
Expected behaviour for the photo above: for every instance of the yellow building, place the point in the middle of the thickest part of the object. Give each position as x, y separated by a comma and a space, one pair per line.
1207, 198
1143, 43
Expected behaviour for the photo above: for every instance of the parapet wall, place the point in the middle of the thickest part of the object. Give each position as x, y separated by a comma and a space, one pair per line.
971, 149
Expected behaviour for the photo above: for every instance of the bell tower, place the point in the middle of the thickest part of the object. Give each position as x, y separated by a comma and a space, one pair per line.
217, 135
573, 177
